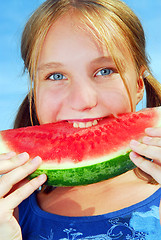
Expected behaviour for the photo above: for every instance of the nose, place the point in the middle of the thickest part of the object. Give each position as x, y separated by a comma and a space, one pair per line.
83, 96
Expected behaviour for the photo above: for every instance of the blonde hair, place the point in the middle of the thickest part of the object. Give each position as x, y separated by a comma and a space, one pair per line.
111, 22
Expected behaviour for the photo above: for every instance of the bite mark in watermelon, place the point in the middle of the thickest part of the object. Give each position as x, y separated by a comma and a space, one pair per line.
79, 156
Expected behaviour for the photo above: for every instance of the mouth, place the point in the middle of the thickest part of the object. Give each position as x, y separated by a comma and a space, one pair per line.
88, 122
84, 123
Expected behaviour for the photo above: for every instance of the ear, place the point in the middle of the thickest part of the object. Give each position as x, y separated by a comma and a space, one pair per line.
140, 86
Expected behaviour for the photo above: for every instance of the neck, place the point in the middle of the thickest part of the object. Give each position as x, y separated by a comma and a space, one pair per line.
98, 198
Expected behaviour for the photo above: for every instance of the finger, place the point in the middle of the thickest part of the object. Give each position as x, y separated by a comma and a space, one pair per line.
148, 151
153, 132
7, 155
153, 141
8, 180
15, 198
150, 168
18, 185
9, 163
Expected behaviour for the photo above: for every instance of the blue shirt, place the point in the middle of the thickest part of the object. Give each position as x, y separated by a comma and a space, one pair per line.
137, 222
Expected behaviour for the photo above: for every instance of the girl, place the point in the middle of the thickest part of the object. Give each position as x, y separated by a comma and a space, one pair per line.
86, 61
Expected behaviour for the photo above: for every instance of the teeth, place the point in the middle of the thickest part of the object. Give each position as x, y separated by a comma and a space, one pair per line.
75, 125
82, 125
95, 122
85, 124
89, 124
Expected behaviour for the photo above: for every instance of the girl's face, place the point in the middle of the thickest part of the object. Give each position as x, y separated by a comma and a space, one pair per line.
76, 81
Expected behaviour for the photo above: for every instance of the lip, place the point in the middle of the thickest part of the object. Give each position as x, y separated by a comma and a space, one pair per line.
72, 120
83, 120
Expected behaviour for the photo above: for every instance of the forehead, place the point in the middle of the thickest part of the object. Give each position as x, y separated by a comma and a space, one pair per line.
69, 36
70, 32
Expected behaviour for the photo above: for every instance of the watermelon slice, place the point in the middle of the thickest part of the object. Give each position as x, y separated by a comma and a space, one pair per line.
79, 156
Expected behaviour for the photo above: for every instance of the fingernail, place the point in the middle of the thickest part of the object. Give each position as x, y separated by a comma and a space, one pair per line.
23, 156
36, 160
133, 155
134, 143
42, 177
147, 139
149, 130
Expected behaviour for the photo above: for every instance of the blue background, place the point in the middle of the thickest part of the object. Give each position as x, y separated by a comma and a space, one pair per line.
14, 14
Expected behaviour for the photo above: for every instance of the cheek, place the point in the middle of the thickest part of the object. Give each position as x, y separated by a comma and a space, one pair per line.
116, 100
48, 105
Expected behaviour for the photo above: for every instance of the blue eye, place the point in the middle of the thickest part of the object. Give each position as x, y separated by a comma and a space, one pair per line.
56, 76
104, 72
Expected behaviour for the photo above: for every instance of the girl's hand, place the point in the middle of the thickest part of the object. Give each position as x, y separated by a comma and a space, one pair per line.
14, 169
150, 147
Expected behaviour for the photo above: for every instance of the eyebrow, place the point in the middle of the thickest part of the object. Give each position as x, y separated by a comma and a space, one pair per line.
50, 65
102, 59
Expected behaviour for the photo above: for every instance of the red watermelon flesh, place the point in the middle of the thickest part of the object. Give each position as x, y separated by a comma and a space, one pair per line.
61, 146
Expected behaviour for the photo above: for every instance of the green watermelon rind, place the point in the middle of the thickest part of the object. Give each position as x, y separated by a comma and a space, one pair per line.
87, 174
